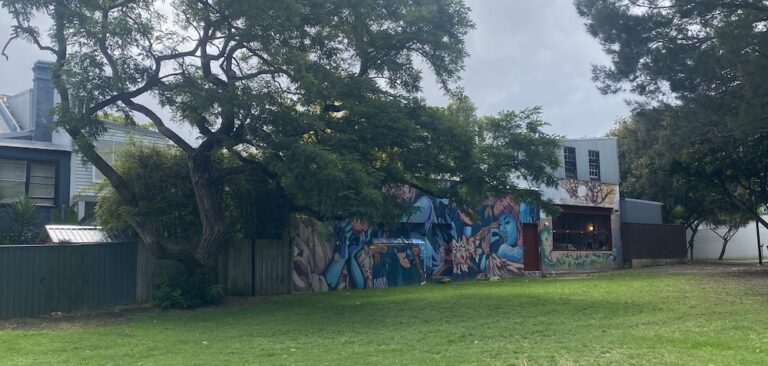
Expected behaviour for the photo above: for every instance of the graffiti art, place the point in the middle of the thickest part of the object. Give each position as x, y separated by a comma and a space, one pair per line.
434, 242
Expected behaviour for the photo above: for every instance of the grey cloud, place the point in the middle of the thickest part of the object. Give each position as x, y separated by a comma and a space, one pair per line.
527, 53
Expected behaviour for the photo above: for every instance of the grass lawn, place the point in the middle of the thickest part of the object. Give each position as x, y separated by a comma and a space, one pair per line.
620, 318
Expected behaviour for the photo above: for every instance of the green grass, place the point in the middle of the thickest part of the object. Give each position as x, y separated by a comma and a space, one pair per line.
620, 318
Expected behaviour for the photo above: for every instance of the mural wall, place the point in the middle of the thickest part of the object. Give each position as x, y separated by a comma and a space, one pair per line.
439, 243
435, 243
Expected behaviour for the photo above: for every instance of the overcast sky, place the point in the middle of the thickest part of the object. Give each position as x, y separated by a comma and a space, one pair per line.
523, 53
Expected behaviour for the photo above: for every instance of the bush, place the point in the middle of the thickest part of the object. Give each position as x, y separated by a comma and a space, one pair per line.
23, 222
186, 290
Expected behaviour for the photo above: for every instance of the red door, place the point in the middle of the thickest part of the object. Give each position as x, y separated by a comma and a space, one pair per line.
531, 257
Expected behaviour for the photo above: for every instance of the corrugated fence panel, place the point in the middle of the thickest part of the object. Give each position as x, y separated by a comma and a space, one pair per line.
43, 279
653, 241
272, 267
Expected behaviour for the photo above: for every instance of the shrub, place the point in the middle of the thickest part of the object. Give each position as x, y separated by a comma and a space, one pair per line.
23, 219
186, 290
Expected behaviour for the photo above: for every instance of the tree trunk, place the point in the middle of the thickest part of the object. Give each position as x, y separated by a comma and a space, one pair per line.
722, 251
209, 200
694, 230
162, 250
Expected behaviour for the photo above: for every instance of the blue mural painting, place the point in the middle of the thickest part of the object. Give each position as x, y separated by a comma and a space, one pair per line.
434, 243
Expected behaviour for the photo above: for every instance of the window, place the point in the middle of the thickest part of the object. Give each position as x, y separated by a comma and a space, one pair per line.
594, 164
569, 159
13, 179
582, 232
42, 183
108, 149
34, 179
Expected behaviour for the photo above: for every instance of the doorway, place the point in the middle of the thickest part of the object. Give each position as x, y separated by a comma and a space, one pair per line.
531, 257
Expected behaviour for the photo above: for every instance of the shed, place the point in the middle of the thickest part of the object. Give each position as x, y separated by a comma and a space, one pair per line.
75, 234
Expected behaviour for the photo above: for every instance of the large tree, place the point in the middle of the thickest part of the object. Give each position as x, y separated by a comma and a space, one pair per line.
707, 59
650, 150
319, 97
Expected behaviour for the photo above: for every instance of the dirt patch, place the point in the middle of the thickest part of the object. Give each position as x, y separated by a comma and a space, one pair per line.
735, 274
725, 268
58, 321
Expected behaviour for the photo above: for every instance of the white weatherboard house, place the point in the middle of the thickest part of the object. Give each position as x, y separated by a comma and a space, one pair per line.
84, 177
38, 161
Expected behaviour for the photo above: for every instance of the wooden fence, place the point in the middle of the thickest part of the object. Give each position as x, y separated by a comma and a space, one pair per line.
653, 241
42, 279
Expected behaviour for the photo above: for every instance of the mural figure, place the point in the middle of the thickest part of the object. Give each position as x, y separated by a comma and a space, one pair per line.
353, 236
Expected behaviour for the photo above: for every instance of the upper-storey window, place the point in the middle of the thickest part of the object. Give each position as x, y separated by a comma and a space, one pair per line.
594, 164
569, 159
20, 178
108, 149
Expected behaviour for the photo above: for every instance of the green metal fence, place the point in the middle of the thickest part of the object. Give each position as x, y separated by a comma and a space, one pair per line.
43, 279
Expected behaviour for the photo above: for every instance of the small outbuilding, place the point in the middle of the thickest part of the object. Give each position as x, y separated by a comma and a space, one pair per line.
75, 234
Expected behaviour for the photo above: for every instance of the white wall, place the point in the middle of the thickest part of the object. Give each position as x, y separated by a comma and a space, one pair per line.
743, 244
82, 175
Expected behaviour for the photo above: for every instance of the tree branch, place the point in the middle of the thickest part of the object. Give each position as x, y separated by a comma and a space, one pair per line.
159, 124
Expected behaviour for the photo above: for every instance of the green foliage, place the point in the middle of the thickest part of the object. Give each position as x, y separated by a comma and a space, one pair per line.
186, 290
650, 152
160, 179
24, 222
316, 100
253, 207
65, 216
707, 58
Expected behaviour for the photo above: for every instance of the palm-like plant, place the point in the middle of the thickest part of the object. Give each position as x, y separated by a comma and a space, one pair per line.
24, 221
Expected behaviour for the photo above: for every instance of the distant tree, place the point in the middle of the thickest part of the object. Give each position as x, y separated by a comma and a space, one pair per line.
734, 166
707, 59
707, 53
649, 164
729, 223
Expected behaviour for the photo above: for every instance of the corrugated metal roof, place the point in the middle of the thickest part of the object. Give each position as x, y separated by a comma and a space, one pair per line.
7, 123
75, 234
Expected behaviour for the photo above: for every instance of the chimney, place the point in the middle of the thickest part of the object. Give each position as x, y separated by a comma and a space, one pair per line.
41, 100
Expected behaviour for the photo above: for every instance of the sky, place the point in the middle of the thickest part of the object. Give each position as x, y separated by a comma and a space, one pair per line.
523, 53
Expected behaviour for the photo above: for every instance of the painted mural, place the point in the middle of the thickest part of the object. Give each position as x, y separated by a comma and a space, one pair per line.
581, 193
584, 193
435, 243
570, 260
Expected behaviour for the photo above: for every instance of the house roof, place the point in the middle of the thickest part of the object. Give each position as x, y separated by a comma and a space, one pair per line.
19, 107
7, 122
14, 112
74, 234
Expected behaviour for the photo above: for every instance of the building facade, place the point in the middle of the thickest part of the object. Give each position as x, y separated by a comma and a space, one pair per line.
36, 160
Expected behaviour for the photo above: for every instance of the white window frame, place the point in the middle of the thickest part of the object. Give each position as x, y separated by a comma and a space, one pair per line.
594, 164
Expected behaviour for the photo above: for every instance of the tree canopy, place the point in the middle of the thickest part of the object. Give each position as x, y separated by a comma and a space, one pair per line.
319, 98
700, 66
